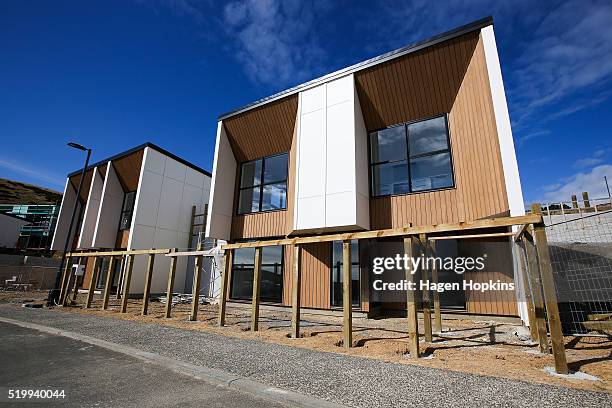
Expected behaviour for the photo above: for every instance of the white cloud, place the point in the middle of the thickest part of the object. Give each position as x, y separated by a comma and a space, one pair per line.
33, 172
596, 158
591, 182
275, 41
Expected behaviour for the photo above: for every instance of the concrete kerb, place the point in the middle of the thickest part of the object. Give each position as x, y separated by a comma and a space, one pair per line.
213, 376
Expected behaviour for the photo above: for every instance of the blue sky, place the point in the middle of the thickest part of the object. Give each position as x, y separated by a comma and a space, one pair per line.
114, 74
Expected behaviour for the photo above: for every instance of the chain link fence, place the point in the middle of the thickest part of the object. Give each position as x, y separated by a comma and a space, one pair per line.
581, 257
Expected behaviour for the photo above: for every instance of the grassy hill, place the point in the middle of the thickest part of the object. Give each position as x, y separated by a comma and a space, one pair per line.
15, 192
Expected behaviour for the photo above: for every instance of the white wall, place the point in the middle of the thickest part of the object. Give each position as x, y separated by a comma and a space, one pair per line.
90, 215
502, 120
109, 213
10, 228
331, 161
63, 218
167, 190
221, 203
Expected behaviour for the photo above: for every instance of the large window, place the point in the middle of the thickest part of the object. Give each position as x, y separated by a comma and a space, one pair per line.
263, 185
127, 210
411, 158
271, 273
336, 275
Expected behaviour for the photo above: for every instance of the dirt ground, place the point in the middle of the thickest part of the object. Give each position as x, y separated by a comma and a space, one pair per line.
478, 347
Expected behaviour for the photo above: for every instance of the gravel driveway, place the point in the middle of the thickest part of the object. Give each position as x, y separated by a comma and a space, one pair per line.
348, 380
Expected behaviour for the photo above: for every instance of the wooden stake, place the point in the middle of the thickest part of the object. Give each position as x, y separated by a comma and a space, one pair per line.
121, 274
108, 283
92, 281
225, 282
170, 289
195, 291
436, 294
77, 283
256, 291
425, 293
413, 324
127, 279
295, 292
535, 283
550, 295
65, 280
347, 300
146, 294
533, 326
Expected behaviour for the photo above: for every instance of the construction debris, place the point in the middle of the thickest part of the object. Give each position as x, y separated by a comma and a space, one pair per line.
182, 298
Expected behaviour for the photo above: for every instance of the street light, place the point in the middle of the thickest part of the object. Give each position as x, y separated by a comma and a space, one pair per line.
54, 293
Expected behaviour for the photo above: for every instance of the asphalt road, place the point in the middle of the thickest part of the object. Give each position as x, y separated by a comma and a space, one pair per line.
93, 376
347, 380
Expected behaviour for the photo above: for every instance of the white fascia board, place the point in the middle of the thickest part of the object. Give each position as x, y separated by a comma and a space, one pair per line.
502, 121
221, 200
63, 218
90, 215
109, 213
138, 196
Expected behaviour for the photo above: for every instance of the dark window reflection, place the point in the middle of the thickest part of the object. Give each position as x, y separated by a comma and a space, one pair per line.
336, 273
271, 274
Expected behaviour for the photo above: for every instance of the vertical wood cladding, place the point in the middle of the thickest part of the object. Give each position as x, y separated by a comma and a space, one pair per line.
448, 78
315, 279
272, 223
499, 266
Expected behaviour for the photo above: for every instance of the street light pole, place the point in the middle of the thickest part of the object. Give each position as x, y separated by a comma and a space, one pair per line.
54, 293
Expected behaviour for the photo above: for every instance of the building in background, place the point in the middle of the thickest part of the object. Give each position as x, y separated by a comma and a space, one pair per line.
10, 229
37, 233
140, 199
416, 136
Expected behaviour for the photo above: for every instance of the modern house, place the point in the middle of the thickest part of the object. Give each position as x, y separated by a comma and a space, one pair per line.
10, 229
416, 136
41, 218
140, 199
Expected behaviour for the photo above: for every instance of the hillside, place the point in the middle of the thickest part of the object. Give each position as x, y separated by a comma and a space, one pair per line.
15, 192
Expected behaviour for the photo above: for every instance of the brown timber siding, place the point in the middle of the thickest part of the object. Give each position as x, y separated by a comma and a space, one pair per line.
447, 78
316, 269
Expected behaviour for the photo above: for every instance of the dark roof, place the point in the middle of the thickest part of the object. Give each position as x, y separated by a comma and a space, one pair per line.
473, 26
135, 149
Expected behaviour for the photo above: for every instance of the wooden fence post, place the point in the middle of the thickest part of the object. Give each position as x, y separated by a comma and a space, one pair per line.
295, 292
436, 294
256, 291
195, 291
170, 289
146, 294
108, 283
127, 279
347, 298
533, 325
77, 281
92, 281
225, 282
535, 283
550, 295
424, 245
65, 279
121, 275
413, 324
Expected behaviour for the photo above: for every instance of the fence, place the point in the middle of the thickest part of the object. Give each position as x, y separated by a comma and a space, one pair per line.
581, 257
18, 272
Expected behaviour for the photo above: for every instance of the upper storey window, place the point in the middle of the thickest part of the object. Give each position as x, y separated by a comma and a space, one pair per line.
127, 210
410, 158
263, 185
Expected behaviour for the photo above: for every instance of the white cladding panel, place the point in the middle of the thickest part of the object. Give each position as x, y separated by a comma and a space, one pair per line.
502, 120
10, 228
90, 216
109, 213
221, 188
326, 183
162, 215
63, 218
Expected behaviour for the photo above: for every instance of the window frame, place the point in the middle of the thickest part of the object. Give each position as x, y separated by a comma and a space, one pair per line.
262, 298
124, 211
262, 184
408, 157
355, 306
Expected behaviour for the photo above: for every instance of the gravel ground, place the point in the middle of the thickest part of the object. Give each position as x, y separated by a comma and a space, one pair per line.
353, 381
